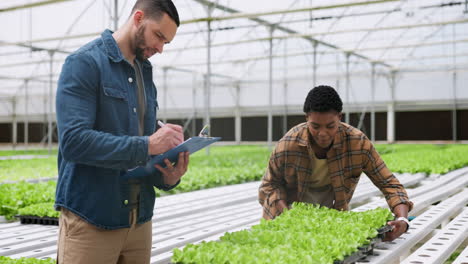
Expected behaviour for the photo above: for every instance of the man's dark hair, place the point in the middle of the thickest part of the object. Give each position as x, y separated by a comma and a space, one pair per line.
155, 9
323, 98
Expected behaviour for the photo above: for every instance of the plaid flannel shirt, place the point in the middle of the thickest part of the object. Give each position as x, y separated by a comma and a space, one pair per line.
351, 154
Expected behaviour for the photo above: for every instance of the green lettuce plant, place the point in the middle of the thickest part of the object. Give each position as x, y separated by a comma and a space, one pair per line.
14, 196
7, 260
304, 234
40, 210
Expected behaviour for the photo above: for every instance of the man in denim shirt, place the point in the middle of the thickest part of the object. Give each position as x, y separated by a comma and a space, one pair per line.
106, 112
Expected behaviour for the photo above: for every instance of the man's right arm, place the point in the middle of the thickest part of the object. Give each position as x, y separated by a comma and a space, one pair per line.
76, 105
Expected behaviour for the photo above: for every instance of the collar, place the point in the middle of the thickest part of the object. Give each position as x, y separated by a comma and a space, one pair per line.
338, 141
113, 50
304, 136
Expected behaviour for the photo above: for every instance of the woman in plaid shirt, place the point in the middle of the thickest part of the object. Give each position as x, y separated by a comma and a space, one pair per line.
320, 161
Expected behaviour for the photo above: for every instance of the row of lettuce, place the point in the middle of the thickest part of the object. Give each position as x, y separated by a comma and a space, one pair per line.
7, 260
23, 198
306, 233
224, 165
248, 162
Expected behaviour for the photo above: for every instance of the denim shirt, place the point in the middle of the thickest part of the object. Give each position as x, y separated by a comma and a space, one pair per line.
97, 121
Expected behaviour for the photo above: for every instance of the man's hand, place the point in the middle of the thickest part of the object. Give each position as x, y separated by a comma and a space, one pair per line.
166, 138
399, 227
171, 173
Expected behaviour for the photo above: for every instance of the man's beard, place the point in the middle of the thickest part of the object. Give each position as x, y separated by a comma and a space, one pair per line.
140, 41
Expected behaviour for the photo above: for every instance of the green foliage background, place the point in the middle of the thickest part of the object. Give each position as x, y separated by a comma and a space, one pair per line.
7, 260
247, 163
224, 165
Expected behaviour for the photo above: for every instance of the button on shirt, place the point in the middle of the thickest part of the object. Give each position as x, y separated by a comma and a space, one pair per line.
351, 154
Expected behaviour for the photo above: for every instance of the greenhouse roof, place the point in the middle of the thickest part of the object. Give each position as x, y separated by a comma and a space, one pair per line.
338, 35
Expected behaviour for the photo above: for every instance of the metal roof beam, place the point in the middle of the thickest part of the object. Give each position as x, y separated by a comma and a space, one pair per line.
242, 60
36, 48
36, 78
94, 34
276, 12
31, 5
208, 18
29, 62
442, 23
330, 68
178, 69
288, 30
298, 54
237, 61
5, 43
360, 14
412, 45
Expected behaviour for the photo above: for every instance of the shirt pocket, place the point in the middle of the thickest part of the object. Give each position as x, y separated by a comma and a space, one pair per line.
115, 93
114, 114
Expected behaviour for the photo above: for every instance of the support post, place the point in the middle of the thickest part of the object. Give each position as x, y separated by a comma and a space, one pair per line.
26, 115
348, 86
194, 104
238, 118
337, 82
270, 90
285, 89
454, 84
454, 106
208, 75
14, 127
51, 104
116, 15
391, 110
44, 126
314, 75
373, 102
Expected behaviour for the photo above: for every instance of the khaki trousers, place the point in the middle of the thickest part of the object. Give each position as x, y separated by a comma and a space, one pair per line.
80, 242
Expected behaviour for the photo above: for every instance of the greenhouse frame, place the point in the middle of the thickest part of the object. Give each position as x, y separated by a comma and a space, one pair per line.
400, 66
245, 68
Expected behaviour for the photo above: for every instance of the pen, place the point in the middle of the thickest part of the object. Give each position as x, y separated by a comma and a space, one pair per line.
160, 123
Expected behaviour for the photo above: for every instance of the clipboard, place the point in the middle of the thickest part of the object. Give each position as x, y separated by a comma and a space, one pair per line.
191, 145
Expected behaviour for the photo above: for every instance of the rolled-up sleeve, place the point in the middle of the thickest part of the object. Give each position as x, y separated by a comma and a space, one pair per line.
383, 178
272, 188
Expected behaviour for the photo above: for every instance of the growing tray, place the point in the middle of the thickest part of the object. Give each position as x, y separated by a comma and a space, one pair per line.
29, 219
365, 250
